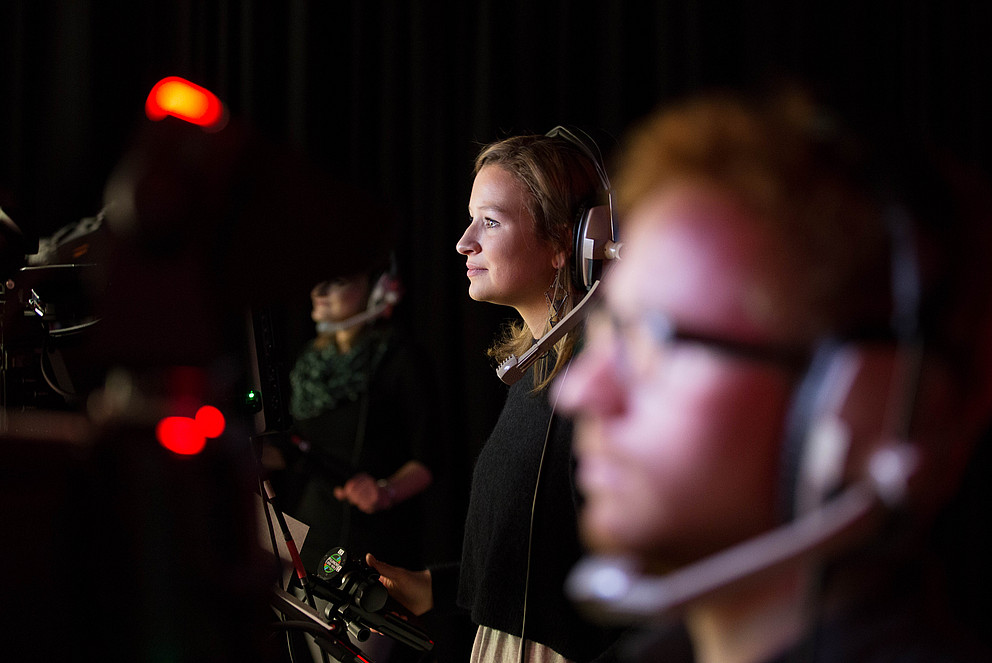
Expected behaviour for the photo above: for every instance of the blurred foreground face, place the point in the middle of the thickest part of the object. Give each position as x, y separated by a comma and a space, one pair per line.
337, 300
678, 440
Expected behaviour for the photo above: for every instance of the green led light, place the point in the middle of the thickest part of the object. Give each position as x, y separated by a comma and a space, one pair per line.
253, 399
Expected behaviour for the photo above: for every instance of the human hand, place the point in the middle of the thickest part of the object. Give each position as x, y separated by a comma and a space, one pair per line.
362, 491
410, 588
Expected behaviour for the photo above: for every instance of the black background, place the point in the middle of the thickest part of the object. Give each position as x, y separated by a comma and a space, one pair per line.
396, 96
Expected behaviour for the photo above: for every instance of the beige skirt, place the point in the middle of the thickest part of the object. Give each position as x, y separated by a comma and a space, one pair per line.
492, 646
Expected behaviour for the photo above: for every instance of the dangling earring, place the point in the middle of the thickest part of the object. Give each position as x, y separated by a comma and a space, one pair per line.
555, 295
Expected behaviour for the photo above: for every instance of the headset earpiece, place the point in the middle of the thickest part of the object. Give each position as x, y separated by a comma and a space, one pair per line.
386, 292
594, 235
859, 394
800, 427
384, 295
846, 410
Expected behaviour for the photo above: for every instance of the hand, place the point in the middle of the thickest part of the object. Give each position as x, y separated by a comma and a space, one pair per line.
362, 491
411, 588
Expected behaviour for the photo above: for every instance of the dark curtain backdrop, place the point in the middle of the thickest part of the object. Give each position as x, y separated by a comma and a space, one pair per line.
396, 96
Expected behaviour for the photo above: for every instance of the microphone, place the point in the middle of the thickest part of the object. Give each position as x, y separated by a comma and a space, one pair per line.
385, 295
611, 250
612, 590
512, 369
325, 327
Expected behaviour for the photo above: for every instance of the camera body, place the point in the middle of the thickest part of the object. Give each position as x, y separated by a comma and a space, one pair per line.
353, 578
357, 601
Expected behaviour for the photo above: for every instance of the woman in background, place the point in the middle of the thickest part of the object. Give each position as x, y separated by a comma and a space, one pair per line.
360, 417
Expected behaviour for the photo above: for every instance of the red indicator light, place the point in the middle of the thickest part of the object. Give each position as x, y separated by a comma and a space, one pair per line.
180, 435
187, 101
188, 435
209, 421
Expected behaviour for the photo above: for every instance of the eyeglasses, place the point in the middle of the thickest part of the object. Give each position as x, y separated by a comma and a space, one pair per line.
643, 336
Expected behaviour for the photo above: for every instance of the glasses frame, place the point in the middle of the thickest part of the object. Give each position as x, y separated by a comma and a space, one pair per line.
666, 333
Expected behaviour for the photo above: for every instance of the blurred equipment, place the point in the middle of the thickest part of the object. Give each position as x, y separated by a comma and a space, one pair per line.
356, 604
126, 550
12, 245
48, 310
135, 511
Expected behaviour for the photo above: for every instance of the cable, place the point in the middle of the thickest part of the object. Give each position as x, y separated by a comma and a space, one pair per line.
533, 509
68, 331
49, 380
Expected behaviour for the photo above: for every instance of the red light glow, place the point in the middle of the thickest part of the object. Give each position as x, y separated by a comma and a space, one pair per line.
180, 435
188, 436
209, 421
187, 101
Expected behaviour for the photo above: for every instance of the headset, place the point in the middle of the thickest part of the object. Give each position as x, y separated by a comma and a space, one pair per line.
822, 511
594, 242
594, 236
385, 294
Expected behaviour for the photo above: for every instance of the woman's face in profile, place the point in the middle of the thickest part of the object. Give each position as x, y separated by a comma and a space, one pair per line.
337, 300
505, 261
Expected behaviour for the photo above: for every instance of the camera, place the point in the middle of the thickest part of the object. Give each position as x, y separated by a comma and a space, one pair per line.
357, 604
352, 589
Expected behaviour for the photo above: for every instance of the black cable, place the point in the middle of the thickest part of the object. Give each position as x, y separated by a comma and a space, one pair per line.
530, 530
49, 380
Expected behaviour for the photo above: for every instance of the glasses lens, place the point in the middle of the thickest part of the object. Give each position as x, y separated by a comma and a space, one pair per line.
636, 342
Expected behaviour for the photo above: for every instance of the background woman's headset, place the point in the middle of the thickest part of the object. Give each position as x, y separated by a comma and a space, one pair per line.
383, 296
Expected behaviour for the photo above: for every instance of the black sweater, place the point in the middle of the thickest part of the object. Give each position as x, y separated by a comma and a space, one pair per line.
490, 580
